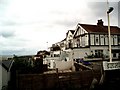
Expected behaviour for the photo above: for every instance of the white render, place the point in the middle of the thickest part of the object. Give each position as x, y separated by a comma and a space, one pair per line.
80, 53
62, 61
69, 39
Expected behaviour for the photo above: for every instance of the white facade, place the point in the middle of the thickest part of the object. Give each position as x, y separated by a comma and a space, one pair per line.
80, 53
81, 37
69, 39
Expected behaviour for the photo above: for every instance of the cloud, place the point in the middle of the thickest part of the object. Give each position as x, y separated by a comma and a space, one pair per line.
119, 13
19, 52
26, 25
67, 23
7, 34
7, 23
99, 9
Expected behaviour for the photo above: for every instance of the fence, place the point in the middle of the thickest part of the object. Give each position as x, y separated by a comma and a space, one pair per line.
68, 80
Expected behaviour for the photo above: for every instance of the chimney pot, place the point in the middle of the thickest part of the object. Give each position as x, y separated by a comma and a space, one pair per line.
100, 22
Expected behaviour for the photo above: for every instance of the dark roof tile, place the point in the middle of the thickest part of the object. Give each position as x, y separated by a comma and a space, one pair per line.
100, 29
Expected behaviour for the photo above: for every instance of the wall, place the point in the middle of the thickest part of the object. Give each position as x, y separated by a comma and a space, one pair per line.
0, 76
5, 77
105, 50
81, 80
80, 52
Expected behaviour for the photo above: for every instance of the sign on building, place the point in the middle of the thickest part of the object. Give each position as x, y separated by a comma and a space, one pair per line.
111, 65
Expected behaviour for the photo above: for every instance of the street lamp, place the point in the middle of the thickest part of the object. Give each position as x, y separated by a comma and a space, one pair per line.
110, 65
108, 12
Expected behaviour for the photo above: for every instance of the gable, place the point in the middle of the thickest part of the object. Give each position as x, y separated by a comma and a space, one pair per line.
69, 35
79, 31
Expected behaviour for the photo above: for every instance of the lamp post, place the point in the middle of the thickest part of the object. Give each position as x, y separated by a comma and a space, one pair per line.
109, 36
112, 65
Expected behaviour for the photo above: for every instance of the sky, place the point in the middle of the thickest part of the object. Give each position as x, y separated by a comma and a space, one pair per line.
27, 26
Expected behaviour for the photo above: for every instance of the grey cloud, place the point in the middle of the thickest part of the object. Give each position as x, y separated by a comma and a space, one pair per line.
68, 23
11, 52
8, 23
7, 34
3, 2
19, 52
99, 8
12, 46
17, 23
119, 13
4, 22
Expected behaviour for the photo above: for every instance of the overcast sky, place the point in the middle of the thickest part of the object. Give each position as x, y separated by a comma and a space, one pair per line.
27, 25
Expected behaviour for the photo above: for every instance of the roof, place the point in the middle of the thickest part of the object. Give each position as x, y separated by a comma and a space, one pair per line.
72, 31
63, 39
7, 64
100, 29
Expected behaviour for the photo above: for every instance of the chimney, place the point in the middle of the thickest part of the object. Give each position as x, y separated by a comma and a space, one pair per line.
100, 22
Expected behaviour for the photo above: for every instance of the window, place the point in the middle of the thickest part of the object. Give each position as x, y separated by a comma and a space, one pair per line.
114, 54
84, 32
56, 55
119, 55
78, 42
118, 40
69, 44
98, 53
96, 40
83, 41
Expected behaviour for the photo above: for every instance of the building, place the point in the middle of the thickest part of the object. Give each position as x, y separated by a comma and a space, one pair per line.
92, 41
69, 39
5, 67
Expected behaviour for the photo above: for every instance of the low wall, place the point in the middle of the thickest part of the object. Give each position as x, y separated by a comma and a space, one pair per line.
68, 80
